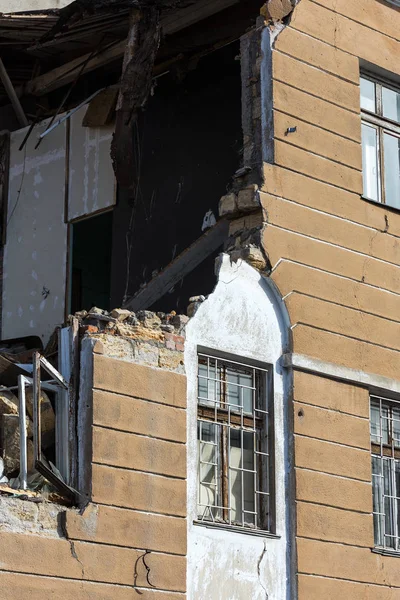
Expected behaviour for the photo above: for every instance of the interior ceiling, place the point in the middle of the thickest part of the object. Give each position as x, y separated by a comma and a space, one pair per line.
35, 43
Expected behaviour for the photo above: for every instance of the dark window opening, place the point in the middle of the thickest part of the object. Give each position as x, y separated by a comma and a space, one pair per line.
91, 262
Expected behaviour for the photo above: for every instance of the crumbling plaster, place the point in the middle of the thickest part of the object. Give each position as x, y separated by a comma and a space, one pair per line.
245, 318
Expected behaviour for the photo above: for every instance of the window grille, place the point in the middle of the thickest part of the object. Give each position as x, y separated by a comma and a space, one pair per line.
233, 444
380, 111
385, 448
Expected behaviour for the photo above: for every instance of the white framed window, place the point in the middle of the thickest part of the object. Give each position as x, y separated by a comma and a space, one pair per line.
234, 444
385, 449
380, 135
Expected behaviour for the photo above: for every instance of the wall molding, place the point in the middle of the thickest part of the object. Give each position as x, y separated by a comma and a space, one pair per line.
309, 364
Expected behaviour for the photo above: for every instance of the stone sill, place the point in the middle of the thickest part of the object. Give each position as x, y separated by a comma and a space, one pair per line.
382, 204
233, 528
386, 551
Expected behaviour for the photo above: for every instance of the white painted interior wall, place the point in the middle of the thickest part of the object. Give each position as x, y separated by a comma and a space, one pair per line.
91, 177
244, 318
35, 253
10, 6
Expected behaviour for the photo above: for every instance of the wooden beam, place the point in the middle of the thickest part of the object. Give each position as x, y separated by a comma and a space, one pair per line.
181, 266
60, 76
11, 93
66, 73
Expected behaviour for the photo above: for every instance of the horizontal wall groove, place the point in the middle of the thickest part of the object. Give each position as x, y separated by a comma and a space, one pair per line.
131, 469
352, 112
333, 506
78, 540
331, 410
319, 270
142, 435
377, 585
330, 473
323, 156
317, 539
130, 396
92, 582
357, 310
359, 23
309, 64
347, 249
343, 477
342, 335
179, 593
340, 444
315, 124
313, 209
140, 510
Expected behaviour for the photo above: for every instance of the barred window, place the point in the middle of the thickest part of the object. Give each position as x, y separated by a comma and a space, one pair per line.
234, 469
385, 448
380, 111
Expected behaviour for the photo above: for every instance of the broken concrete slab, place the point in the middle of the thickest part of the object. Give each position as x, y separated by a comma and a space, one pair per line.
227, 205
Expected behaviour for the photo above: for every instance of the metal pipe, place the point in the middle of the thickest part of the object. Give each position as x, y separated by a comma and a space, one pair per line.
23, 447
68, 114
19, 111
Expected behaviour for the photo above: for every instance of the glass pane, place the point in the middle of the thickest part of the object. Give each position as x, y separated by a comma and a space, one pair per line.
392, 169
391, 104
367, 93
207, 385
396, 426
235, 476
241, 474
209, 480
375, 423
389, 504
377, 493
370, 163
239, 389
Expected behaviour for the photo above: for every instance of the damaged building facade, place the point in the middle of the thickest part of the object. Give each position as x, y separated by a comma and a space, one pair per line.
199, 348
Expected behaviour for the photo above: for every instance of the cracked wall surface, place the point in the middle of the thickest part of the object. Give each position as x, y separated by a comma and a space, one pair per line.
130, 537
334, 258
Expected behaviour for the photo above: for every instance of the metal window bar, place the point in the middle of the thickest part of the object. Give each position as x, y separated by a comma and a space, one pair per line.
385, 449
233, 421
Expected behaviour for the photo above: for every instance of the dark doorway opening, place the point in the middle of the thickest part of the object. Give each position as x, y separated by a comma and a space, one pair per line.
91, 262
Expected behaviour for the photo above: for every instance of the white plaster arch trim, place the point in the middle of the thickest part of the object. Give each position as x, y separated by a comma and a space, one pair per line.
244, 317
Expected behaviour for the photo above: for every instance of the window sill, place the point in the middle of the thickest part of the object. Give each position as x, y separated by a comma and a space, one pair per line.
377, 203
246, 531
386, 552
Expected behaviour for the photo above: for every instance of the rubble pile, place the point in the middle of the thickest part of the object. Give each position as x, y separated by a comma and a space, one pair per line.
16, 359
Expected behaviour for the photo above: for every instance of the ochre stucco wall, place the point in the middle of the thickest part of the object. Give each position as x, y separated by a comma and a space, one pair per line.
138, 500
335, 259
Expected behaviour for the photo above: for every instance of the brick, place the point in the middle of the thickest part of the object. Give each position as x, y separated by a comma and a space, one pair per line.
312, 80
332, 458
315, 588
140, 381
227, 205
139, 416
14, 585
128, 528
334, 525
346, 562
143, 491
138, 452
314, 139
331, 394
317, 111
333, 491
321, 168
